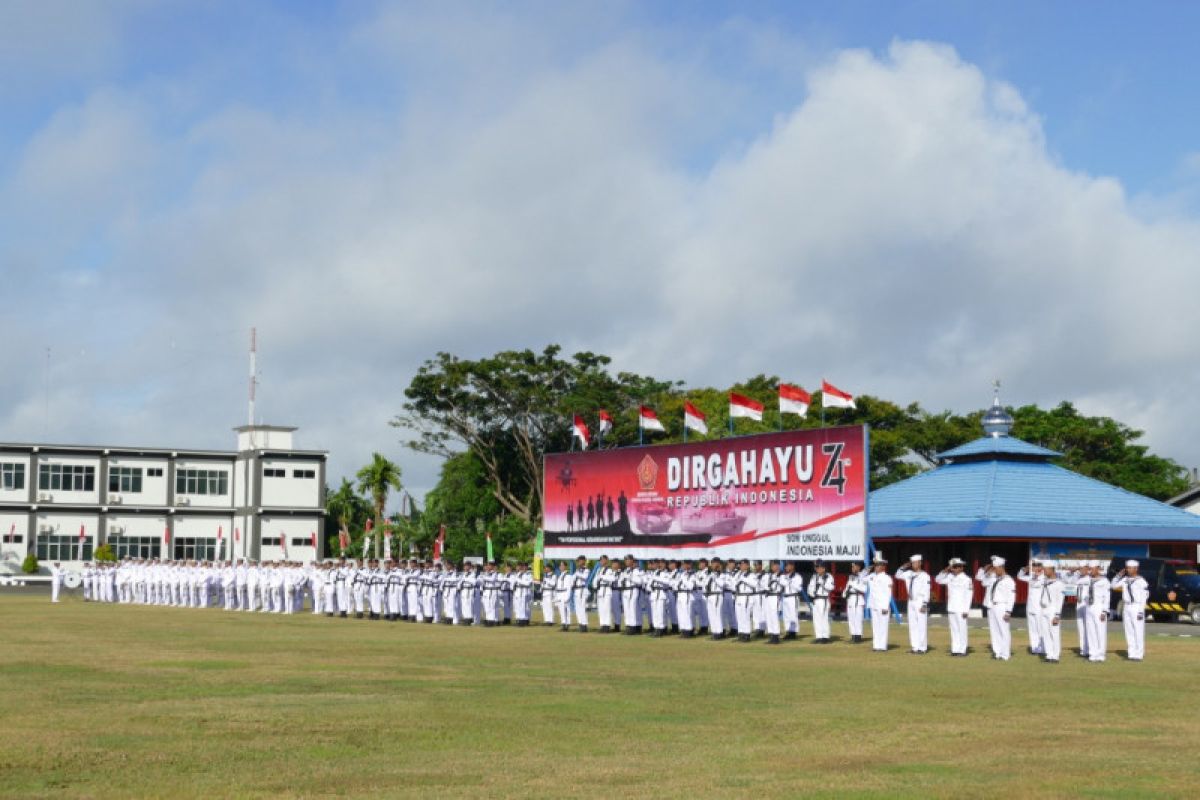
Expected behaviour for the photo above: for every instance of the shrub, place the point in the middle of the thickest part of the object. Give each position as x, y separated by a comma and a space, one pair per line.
30, 565
105, 553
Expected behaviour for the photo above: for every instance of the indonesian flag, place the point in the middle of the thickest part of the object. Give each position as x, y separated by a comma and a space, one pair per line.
742, 406
606, 422
79, 550
793, 400
580, 432
343, 541
220, 532
237, 534
833, 397
12, 533
283, 543
693, 418
439, 543
314, 540
648, 420
167, 535
387, 542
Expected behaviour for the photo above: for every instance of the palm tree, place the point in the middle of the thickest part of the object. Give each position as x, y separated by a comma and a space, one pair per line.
346, 506
376, 480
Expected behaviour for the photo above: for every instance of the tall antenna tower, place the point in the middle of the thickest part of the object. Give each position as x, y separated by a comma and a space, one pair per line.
253, 373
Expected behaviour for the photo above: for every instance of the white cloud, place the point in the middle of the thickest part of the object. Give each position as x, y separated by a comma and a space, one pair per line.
897, 226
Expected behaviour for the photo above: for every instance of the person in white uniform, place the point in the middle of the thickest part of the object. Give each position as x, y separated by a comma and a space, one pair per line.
855, 595
1002, 592
547, 585
820, 590
1099, 600
56, 581
1134, 594
916, 582
1081, 580
606, 589
1050, 603
1033, 575
879, 600
714, 599
793, 585
959, 594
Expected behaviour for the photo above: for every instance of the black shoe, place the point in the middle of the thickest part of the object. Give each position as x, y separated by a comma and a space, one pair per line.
329, 613
744, 638
605, 629
704, 630
583, 628
358, 615
791, 635
564, 628
343, 615
507, 622
774, 639
629, 631
716, 637
674, 629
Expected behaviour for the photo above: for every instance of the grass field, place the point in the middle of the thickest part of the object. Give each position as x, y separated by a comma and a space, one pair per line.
116, 701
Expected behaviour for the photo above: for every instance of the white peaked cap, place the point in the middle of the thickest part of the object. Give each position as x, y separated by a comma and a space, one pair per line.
957, 562
879, 559
997, 561
1050, 564
915, 558
1131, 563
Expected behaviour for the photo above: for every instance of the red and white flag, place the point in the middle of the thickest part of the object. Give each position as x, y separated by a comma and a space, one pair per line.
793, 400
606, 422
79, 550
283, 543
648, 420
694, 418
220, 532
167, 535
833, 397
742, 406
343, 541
12, 533
580, 431
314, 540
439, 544
237, 535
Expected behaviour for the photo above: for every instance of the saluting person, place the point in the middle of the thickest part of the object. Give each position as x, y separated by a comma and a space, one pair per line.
1002, 591
855, 595
959, 591
820, 589
1050, 605
916, 582
879, 599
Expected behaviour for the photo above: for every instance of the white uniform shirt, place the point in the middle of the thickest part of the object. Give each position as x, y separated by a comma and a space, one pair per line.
960, 590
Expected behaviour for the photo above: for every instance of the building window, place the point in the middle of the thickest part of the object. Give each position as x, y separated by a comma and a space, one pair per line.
12, 476
301, 541
125, 479
154, 472
274, 473
66, 477
186, 549
202, 481
135, 546
62, 548
304, 473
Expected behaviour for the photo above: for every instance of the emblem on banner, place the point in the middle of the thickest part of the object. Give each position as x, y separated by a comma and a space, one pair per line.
647, 472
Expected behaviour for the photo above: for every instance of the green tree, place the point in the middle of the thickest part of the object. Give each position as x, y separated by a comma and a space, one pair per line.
348, 510
511, 408
377, 480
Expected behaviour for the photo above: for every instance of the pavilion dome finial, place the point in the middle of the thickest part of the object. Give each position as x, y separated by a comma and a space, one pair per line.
997, 422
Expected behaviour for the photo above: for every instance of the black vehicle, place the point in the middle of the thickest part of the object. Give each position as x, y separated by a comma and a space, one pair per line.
1174, 588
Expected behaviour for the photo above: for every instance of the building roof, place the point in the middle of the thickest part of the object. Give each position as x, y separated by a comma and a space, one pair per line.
997, 445
1000, 487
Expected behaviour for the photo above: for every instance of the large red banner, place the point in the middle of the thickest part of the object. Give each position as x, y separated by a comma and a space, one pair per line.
793, 495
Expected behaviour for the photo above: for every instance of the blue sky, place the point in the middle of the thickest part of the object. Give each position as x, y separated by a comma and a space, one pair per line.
913, 197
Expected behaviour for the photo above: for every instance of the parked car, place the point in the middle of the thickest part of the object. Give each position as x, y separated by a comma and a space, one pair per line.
1174, 588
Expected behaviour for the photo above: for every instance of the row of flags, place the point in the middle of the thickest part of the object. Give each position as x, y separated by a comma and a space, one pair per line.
237, 537
792, 400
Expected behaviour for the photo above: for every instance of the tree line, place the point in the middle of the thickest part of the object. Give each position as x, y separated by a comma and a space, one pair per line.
493, 418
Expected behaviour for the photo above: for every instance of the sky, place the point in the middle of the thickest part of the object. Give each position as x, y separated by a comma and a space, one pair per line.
910, 199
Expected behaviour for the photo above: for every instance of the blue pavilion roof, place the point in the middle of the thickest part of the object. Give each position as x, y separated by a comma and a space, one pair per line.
1005, 488
998, 445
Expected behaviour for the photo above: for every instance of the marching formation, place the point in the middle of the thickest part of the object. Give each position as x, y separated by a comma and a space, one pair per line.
719, 599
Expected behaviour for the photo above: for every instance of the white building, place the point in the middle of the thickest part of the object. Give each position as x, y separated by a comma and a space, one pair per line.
263, 501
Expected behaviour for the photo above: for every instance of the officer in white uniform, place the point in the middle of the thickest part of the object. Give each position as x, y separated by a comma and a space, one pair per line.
879, 600
548, 581
793, 583
1002, 592
56, 581
606, 590
563, 586
714, 599
959, 591
855, 595
745, 592
916, 581
1050, 603
1099, 600
522, 595
820, 590
684, 585
1134, 594
1033, 576
580, 594
1081, 579
630, 584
